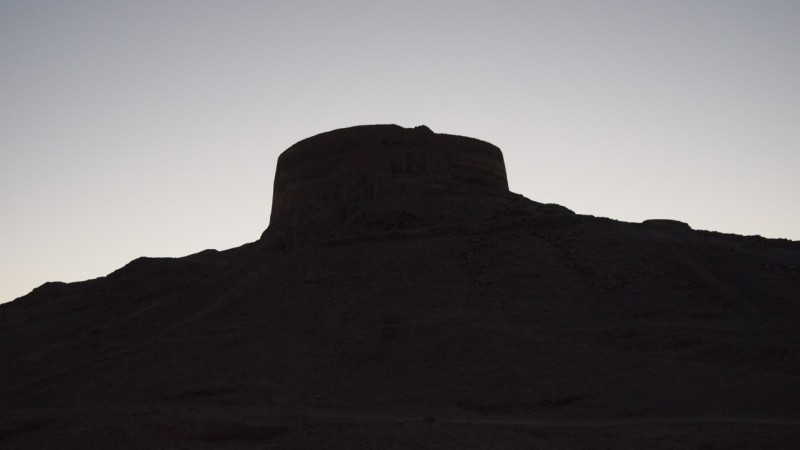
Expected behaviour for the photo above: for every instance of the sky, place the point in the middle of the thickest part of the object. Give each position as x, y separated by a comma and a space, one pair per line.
152, 128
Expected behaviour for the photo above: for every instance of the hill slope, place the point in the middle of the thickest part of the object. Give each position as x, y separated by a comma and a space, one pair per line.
438, 313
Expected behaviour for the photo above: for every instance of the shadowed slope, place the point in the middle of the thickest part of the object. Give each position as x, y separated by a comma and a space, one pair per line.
521, 325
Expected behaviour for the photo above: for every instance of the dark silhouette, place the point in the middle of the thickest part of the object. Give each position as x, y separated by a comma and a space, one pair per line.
402, 297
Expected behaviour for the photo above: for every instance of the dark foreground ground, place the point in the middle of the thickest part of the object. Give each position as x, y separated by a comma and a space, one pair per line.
542, 329
257, 428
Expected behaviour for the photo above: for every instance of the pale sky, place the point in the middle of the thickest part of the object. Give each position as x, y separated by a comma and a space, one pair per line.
152, 128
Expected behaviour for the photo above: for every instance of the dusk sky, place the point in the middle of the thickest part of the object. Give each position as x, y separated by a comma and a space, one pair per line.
152, 128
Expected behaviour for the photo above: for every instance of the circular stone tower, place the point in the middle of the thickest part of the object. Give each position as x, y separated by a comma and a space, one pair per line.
379, 177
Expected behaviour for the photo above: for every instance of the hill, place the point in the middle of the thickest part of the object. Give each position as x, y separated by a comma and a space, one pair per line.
403, 297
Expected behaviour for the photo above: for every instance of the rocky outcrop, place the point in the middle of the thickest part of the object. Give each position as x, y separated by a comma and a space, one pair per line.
379, 177
666, 223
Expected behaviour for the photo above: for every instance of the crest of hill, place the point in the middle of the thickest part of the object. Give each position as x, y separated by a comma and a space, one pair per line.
381, 177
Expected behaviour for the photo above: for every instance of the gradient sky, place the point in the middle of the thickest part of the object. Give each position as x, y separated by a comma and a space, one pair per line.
152, 128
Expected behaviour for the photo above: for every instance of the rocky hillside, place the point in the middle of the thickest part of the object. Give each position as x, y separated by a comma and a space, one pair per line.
402, 297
